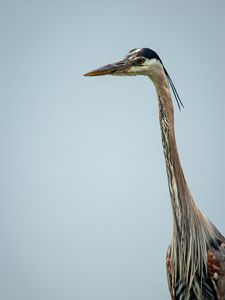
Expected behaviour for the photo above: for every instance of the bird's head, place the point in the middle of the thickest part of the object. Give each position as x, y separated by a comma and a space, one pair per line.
142, 61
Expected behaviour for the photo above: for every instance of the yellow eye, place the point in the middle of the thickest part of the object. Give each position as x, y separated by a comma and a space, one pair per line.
141, 61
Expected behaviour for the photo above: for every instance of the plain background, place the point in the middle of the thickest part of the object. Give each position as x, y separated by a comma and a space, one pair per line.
85, 210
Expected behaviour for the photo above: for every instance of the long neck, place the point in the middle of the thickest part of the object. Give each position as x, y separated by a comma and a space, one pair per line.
192, 232
188, 220
181, 200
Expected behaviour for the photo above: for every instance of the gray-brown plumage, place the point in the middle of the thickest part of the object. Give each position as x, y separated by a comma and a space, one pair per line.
196, 256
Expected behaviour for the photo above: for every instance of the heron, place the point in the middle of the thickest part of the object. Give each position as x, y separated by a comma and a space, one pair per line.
195, 259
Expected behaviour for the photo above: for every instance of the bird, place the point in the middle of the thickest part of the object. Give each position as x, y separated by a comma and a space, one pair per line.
195, 259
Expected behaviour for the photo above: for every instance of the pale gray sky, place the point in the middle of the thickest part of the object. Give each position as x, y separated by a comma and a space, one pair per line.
84, 205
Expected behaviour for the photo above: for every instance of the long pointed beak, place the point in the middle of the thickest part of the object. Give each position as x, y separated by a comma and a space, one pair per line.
118, 68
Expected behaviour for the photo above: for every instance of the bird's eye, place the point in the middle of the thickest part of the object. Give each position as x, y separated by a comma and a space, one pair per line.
140, 61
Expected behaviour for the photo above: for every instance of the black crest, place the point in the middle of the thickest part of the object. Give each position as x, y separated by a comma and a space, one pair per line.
144, 52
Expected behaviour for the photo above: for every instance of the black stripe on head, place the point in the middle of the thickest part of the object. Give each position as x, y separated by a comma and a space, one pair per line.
143, 52
148, 53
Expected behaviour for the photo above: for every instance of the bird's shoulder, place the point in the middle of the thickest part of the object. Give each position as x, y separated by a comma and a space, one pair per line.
201, 287
216, 269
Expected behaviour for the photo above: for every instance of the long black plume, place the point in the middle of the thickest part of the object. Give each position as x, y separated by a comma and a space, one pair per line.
177, 97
